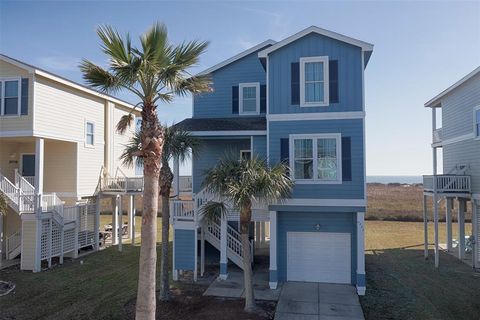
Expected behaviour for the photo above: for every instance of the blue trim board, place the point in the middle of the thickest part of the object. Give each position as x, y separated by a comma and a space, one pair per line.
331, 209
361, 280
273, 276
184, 249
223, 268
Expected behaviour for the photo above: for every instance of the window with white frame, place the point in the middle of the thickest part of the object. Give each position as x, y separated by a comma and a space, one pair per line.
249, 98
316, 158
10, 96
314, 81
89, 133
476, 119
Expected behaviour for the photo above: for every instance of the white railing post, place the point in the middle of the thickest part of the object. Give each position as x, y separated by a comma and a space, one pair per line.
223, 248
461, 228
97, 223
273, 276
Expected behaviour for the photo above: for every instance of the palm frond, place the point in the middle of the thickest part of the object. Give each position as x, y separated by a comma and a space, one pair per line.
124, 123
114, 46
194, 85
213, 210
132, 151
179, 143
99, 78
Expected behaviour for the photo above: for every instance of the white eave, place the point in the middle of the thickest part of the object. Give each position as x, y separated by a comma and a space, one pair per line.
313, 29
435, 101
237, 57
34, 70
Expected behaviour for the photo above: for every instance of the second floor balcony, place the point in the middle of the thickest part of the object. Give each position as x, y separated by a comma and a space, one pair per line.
447, 183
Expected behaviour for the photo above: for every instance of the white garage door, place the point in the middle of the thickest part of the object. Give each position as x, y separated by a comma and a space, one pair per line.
318, 257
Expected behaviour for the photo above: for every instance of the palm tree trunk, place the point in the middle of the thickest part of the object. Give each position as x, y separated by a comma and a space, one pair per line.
166, 178
245, 218
153, 144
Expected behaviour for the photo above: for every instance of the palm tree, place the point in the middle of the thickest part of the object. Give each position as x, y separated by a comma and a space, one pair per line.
176, 144
155, 72
241, 183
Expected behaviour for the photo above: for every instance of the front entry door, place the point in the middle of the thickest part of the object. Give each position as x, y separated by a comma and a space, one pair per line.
28, 165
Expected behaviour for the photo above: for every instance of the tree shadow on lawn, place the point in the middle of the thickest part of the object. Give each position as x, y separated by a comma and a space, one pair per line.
401, 284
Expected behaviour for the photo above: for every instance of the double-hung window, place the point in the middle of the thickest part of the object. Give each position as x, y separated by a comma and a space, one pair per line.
89, 133
10, 93
316, 158
476, 121
249, 98
314, 90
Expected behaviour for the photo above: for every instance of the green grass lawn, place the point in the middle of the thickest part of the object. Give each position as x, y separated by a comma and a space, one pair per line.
400, 283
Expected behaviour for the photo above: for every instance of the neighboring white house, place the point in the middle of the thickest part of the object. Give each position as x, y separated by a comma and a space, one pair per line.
459, 137
59, 152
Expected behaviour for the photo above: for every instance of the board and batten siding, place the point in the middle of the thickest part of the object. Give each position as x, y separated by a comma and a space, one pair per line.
24, 123
306, 222
457, 109
184, 249
218, 103
352, 128
350, 70
210, 151
260, 146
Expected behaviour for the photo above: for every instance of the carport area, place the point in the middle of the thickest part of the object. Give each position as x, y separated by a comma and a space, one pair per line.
309, 300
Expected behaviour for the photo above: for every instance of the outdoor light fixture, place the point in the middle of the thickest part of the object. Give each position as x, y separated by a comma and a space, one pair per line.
317, 226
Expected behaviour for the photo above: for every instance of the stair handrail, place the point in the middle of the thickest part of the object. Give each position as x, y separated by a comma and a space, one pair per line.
13, 241
9, 189
23, 184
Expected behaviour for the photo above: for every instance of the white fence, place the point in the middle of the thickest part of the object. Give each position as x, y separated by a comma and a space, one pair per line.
446, 183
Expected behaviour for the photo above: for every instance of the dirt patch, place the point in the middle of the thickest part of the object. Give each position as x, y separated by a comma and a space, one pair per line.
191, 304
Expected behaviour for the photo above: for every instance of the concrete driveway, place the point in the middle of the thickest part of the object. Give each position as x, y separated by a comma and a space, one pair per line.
308, 301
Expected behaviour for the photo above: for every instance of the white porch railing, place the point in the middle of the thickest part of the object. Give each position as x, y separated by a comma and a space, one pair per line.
446, 183
26, 184
119, 183
437, 135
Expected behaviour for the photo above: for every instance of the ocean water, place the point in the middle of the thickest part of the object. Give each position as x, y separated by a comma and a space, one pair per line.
395, 179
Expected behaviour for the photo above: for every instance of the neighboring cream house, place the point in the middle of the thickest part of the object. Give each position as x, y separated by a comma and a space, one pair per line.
57, 140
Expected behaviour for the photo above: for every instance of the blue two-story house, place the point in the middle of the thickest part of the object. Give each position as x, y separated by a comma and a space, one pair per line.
299, 100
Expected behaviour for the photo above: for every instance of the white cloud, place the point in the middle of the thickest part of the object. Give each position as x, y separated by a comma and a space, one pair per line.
59, 63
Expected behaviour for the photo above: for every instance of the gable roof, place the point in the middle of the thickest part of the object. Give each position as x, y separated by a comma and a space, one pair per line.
239, 56
368, 47
35, 70
435, 101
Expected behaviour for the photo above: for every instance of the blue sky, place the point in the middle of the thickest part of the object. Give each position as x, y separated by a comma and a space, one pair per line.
420, 49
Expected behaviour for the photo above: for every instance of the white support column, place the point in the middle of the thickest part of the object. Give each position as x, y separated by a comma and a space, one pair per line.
39, 155
97, 224
257, 235
361, 284
49, 242
195, 268
461, 228
448, 218
131, 218
120, 223
76, 232
435, 221
223, 249
475, 233
1, 239
273, 275
262, 234
176, 177
115, 220
202, 250
425, 227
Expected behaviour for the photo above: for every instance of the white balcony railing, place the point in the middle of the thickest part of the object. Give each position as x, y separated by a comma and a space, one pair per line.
446, 183
437, 135
185, 183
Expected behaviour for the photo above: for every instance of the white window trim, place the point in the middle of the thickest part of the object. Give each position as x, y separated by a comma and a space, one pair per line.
475, 110
326, 96
240, 97
315, 180
244, 151
87, 145
2, 97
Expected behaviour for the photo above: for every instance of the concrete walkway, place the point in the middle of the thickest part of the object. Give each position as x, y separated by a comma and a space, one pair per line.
319, 301
233, 287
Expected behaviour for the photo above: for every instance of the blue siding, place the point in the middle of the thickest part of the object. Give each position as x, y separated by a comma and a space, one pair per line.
349, 73
260, 146
350, 128
305, 222
184, 249
218, 103
211, 150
